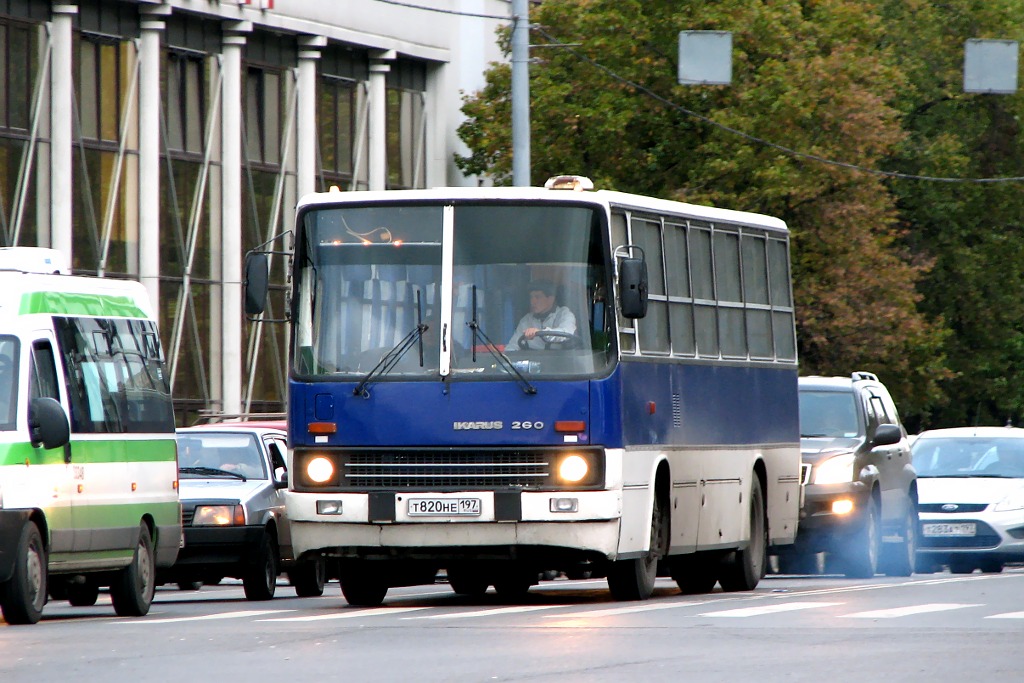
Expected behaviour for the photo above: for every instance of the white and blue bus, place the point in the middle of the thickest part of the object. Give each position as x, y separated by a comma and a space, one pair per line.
503, 382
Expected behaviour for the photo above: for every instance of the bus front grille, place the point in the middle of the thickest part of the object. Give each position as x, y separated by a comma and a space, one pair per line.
436, 470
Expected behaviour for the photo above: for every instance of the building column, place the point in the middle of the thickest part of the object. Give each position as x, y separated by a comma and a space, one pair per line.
380, 65
305, 152
149, 154
61, 127
231, 217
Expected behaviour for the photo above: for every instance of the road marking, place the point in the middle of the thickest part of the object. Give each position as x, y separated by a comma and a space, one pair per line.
908, 611
486, 612
350, 614
769, 609
1007, 615
207, 617
616, 611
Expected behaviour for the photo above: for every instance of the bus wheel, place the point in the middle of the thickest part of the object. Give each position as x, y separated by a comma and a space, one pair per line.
362, 587
260, 579
83, 594
694, 574
741, 570
634, 579
466, 581
23, 595
132, 589
309, 578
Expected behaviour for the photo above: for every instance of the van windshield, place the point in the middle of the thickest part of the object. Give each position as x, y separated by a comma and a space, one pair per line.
8, 382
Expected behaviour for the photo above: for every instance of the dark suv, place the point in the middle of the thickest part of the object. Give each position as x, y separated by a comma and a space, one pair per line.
860, 488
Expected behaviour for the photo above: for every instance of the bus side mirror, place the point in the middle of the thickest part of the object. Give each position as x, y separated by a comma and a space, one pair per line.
633, 287
257, 276
48, 424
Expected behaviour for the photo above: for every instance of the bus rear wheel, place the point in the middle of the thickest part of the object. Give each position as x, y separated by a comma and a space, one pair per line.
23, 595
743, 569
634, 579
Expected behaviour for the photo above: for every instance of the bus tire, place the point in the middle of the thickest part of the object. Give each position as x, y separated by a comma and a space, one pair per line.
260, 578
23, 595
132, 588
83, 594
309, 577
741, 570
634, 579
362, 587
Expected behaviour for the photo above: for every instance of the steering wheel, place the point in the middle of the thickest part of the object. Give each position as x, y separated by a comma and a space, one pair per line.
565, 340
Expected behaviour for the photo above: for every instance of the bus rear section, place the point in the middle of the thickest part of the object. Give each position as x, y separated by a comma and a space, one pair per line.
88, 471
467, 393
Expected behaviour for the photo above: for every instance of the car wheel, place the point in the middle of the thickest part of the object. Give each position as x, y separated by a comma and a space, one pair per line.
742, 569
309, 577
260, 578
83, 594
962, 566
924, 565
802, 563
467, 581
362, 586
23, 595
898, 558
991, 566
132, 589
859, 555
512, 585
189, 585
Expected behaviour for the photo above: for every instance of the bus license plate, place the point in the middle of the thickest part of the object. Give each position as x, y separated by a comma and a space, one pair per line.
961, 529
444, 507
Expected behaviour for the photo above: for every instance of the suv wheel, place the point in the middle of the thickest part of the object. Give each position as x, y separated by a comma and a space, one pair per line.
860, 552
898, 558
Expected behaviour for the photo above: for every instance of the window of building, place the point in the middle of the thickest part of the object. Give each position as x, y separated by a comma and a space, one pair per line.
406, 125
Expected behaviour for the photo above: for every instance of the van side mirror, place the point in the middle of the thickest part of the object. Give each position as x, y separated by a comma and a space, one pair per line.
633, 287
48, 423
257, 277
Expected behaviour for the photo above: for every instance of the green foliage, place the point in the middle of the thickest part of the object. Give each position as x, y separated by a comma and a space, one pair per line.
919, 281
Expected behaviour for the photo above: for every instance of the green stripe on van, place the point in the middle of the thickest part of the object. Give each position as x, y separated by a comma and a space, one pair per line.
65, 303
107, 450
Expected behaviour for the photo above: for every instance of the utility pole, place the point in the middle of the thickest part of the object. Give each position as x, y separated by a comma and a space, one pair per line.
521, 93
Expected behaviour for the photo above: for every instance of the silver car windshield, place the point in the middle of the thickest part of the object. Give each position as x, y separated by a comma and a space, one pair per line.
208, 454
969, 457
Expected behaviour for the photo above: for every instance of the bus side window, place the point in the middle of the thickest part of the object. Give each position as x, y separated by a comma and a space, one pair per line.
43, 376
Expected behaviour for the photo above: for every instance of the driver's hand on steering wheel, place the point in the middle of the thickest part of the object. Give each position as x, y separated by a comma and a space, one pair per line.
530, 332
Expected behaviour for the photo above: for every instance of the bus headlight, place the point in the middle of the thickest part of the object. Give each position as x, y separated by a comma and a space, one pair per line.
319, 469
573, 469
219, 515
835, 470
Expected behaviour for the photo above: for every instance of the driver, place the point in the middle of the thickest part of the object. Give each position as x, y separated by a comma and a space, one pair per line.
545, 314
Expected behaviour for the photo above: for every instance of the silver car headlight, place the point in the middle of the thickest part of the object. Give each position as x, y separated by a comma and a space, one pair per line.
836, 470
219, 515
1014, 501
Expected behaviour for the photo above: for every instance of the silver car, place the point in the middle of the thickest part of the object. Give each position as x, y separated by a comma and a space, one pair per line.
231, 480
970, 483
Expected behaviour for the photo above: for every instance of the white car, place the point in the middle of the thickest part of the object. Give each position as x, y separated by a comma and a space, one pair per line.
970, 483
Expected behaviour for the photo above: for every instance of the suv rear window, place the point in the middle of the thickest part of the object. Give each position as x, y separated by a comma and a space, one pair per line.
828, 414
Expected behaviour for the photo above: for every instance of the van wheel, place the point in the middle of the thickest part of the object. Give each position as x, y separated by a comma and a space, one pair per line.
132, 588
83, 594
23, 595
260, 579
634, 579
361, 586
741, 570
309, 577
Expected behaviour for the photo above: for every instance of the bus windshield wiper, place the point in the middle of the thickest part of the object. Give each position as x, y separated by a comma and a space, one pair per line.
212, 471
388, 361
503, 360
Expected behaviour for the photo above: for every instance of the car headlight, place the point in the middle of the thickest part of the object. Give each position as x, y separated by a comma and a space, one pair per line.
219, 515
1014, 501
836, 470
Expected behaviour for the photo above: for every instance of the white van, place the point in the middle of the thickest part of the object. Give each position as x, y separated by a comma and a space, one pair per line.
88, 462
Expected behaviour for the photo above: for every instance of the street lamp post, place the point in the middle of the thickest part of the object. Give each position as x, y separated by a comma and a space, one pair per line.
521, 93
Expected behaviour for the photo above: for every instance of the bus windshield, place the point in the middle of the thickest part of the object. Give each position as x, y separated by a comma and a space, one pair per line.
528, 291
8, 382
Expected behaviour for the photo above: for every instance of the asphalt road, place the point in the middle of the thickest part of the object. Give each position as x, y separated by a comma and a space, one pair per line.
933, 628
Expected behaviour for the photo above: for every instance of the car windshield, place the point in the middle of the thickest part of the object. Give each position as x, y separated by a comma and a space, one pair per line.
968, 457
219, 454
831, 414
8, 382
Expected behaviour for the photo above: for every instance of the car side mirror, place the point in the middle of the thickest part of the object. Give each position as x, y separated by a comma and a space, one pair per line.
280, 478
633, 287
48, 423
257, 278
887, 434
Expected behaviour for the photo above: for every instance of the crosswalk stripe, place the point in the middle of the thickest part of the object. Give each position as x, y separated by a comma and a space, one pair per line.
207, 617
616, 611
350, 614
769, 609
908, 611
1007, 615
486, 612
